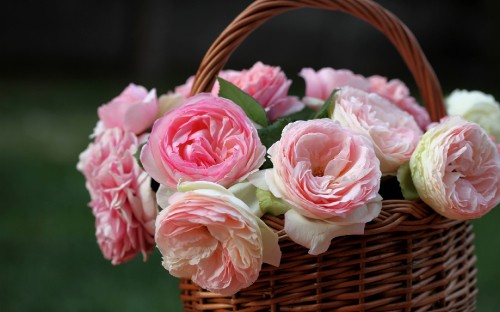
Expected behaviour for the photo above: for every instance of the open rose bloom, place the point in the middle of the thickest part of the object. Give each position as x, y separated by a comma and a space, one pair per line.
121, 196
206, 139
456, 169
193, 175
393, 132
207, 234
330, 177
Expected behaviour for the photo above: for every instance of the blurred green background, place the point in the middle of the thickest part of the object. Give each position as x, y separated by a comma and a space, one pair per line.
64, 59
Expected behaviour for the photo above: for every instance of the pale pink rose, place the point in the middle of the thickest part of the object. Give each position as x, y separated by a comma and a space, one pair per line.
320, 84
206, 139
207, 234
397, 93
269, 86
121, 196
133, 110
324, 180
328, 173
394, 132
456, 169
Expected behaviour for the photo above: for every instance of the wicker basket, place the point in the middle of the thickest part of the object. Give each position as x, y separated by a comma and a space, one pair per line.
409, 259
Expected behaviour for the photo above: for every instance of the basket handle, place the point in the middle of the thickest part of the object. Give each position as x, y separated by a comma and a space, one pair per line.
262, 10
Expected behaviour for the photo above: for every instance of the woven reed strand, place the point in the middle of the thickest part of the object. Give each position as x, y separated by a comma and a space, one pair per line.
410, 266
409, 259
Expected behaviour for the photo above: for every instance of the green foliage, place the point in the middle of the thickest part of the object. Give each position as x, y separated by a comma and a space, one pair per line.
305, 114
251, 107
326, 110
271, 204
406, 183
270, 134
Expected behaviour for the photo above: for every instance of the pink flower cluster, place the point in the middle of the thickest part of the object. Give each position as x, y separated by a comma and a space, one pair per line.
208, 157
201, 230
121, 197
320, 84
122, 200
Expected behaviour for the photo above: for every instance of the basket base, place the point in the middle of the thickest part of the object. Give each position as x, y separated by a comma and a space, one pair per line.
430, 267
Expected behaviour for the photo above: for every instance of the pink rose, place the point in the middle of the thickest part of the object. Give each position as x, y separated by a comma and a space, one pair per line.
397, 93
269, 86
328, 174
456, 169
207, 234
185, 89
320, 84
133, 110
394, 132
121, 196
206, 139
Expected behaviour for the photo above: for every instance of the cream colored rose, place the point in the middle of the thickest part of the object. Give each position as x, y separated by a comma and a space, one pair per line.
207, 234
477, 107
456, 169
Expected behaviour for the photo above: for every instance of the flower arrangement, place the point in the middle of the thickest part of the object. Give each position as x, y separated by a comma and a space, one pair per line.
193, 175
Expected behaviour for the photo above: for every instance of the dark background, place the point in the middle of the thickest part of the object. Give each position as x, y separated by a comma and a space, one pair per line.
60, 60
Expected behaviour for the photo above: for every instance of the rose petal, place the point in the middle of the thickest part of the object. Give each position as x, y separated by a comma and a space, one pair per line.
316, 234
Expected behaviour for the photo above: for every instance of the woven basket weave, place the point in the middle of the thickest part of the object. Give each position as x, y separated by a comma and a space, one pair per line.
409, 259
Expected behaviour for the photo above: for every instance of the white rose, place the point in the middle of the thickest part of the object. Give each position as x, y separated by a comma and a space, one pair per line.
477, 107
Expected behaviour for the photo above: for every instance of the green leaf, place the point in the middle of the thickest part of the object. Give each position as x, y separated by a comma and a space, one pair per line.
137, 155
326, 110
406, 183
271, 204
270, 134
251, 107
305, 114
